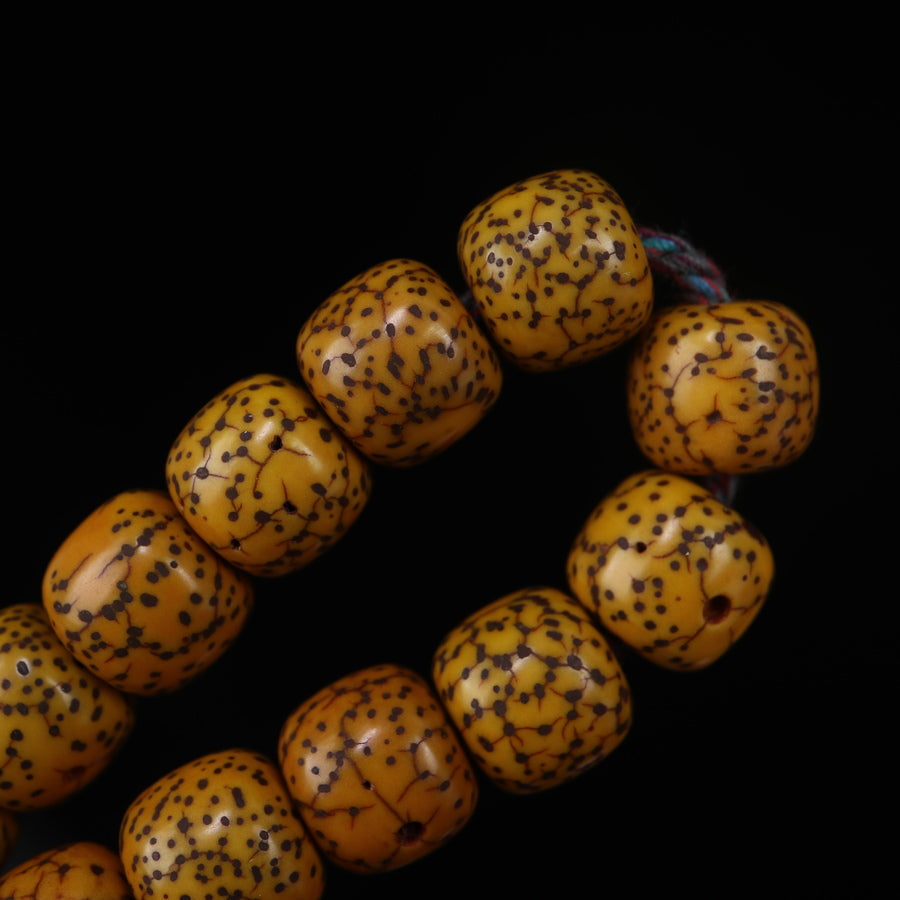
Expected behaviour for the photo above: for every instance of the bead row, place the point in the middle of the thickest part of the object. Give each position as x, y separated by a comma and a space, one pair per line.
379, 768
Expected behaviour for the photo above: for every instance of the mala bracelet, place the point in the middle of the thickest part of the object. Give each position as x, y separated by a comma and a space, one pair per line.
380, 767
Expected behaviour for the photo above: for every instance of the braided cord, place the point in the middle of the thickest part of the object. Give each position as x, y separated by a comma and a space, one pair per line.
693, 274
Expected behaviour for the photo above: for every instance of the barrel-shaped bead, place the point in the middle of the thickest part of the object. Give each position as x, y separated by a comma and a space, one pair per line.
671, 570
265, 478
139, 599
62, 726
534, 688
726, 388
379, 775
557, 268
221, 825
398, 363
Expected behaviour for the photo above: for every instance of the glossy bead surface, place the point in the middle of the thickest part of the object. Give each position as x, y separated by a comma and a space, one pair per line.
726, 388
83, 870
264, 477
670, 570
534, 688
139, 599
219, 826
380, 777
62, 725
557, 268
397, 362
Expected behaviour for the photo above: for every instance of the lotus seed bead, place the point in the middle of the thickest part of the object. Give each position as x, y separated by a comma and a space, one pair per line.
139, 599
534, 688
557, 269
670, 570
398, 364
726, 388
264, 477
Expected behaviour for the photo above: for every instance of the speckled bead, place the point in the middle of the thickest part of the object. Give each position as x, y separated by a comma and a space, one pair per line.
9, 833
83, 870
139, 599
727, 388
397, 362
263, 476
378, 773
670, 570
219, 826
60, 725
557, 268
534, 689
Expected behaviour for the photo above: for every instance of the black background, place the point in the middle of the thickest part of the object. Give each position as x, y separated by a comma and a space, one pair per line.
183, 206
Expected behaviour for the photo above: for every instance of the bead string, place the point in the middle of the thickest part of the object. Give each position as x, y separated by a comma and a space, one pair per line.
698, 279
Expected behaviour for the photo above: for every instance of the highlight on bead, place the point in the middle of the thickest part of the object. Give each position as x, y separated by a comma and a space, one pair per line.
557, 269
221, 825
398, 363
377, 770
265, 478
139, 599
670, 570
534, 688
723, 388
60, 742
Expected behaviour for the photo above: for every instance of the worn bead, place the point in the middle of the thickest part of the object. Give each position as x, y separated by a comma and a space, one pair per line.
725, 388
219, 826
379, 775
398, 364
62, 724
557, 269
83, 870
670, 570
139, 599
264, 477
9, 833
534, 688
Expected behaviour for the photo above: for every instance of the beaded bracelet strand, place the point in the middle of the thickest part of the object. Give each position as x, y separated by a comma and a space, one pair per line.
380, 768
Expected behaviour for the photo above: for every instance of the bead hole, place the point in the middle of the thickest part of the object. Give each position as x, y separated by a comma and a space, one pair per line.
716, 608
410, 833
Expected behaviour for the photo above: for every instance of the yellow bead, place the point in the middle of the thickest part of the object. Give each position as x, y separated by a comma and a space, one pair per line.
534, 689
557, 268
727, 388
140, 599
264, 477
670, 570
397, 362
83, 870
64, 724
219, 826
377, 770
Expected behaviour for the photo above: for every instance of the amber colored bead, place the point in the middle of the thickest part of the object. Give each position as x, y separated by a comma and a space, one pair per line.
670, 570
82, 870
63, 725
557, 268
9, 833
397, 362
139, 599
534, 688
727, 388
219, 826
377, 770
263, 476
